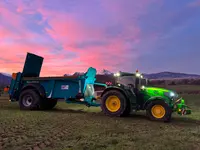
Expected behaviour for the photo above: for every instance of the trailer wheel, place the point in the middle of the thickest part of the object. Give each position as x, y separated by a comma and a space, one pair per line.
29, 100
114, 103
48, 104
158, 110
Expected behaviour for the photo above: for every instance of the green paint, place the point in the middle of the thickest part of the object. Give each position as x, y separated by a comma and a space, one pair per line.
150, 92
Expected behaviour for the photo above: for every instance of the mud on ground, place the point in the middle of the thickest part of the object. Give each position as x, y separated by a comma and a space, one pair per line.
80, 128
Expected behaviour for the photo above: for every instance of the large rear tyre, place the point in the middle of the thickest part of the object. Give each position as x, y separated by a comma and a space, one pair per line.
48, 104
114, 103
29, 100
158, 110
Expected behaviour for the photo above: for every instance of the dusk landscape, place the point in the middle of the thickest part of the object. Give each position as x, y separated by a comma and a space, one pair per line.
79, 100
149, 35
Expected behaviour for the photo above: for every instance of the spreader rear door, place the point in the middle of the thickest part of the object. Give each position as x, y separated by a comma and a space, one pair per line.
32, 66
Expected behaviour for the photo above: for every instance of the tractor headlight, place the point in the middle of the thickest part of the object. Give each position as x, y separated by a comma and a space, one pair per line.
171, 95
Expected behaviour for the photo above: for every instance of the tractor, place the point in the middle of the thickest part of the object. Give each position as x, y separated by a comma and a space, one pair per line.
131, 92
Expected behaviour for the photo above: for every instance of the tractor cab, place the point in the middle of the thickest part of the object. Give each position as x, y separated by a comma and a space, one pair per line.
135, 81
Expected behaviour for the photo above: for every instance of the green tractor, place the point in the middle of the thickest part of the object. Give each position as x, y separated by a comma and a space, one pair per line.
131, 92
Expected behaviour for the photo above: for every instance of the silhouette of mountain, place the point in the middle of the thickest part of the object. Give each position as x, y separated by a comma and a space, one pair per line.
170, 75
5, 79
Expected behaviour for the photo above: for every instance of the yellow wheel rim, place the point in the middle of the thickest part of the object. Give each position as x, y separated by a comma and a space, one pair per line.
113, 103
158, 111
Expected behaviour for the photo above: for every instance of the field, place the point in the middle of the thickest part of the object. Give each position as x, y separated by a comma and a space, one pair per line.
77, 127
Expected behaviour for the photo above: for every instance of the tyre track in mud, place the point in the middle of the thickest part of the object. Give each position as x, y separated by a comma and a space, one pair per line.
11, 134
63, 131
18, 133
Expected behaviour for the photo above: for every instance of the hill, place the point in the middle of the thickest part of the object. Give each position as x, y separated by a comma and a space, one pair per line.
5, 79
161, 75
170, 75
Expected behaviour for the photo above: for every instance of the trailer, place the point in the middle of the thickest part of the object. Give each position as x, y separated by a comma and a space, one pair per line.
41, 93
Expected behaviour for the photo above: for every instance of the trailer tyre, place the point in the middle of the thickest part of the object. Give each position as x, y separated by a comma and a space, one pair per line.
29, 100
114, 103
48, 104
158, 110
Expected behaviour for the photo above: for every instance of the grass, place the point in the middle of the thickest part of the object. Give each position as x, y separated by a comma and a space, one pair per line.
76, 127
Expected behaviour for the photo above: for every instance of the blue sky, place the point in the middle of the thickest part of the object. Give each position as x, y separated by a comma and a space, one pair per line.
149, 35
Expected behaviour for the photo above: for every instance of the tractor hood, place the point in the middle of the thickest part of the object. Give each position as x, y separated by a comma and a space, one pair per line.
155, 91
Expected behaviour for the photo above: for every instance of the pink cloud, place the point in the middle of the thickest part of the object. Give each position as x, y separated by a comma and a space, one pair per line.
67, 31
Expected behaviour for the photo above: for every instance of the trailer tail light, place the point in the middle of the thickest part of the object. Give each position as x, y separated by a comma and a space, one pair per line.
14, 76
6, 89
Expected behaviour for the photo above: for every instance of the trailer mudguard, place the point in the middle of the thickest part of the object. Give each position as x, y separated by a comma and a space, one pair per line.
40, 89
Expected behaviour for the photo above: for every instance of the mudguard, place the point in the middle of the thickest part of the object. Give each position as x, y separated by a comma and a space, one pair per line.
36, 86
127, 93
155, 98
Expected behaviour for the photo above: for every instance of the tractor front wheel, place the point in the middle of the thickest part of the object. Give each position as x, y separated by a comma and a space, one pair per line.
159, 110
114, 103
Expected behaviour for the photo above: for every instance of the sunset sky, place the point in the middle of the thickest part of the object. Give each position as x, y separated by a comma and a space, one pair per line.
72, 35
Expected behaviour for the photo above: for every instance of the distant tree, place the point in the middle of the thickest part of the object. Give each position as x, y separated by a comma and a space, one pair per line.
172, 83
78, 73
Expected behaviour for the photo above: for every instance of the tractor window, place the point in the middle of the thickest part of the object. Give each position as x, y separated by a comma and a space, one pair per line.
143, 82
126, 80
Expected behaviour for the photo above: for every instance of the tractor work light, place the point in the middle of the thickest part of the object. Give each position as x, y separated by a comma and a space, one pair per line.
138, 74
117, 74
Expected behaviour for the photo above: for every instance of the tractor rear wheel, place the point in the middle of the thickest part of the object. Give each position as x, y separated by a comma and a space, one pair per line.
29, 100
114, 103
159, 110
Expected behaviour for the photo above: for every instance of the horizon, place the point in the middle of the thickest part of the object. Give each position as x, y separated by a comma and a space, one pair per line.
72, 36
99, 73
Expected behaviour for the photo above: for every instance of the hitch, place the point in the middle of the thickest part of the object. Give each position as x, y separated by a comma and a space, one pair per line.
181, 108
